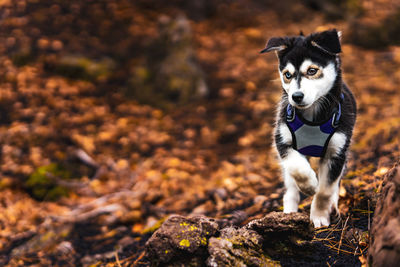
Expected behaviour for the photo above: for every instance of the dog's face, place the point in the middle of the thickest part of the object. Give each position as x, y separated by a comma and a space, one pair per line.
308, 66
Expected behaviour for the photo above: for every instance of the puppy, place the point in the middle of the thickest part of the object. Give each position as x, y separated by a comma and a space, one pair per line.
316, 116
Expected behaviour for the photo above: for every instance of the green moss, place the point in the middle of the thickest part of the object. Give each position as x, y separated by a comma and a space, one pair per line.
203, 241
47, 236
154, 227
184, 243
42, 187
79, 67
193, 228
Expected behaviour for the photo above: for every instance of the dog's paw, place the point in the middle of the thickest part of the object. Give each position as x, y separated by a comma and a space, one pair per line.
290, 207
320, 217
320, 220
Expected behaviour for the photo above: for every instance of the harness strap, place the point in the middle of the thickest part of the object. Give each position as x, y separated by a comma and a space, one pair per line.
311, 139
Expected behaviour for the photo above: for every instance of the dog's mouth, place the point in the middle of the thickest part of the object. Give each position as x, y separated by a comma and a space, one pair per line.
303, 106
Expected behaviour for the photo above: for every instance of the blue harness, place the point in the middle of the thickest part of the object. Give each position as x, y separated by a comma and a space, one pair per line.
309, 138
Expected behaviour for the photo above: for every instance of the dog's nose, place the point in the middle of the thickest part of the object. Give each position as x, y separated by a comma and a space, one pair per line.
297, 97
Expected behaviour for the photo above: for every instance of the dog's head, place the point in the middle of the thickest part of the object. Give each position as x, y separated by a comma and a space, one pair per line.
308, 65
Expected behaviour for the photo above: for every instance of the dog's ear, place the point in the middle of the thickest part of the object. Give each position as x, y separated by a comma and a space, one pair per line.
327, 41
275, 44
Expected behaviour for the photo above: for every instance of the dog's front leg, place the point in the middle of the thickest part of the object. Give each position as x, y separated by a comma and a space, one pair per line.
297, 172
329, 173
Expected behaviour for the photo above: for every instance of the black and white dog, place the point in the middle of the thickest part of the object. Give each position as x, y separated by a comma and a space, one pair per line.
315, 118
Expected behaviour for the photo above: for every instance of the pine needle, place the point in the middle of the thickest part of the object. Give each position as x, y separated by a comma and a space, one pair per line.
341, 236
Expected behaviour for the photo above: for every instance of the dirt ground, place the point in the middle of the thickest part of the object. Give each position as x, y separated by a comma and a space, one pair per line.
90, 168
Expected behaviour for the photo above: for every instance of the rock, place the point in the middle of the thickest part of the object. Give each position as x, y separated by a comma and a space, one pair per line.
278, 225
180, 235
51, 240
42, 187
198, 240
233, 219
238, 247
385, 231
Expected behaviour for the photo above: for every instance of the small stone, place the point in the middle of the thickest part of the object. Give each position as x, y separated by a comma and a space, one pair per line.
260, 199
57, 45
65, 247
250, 86
43, 43
131, 216
226, 92
221, 192
204, 208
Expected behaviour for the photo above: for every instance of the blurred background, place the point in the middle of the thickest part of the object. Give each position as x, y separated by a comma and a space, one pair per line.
115, 114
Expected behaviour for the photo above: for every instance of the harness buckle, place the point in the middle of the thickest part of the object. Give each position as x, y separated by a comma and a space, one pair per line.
290, 113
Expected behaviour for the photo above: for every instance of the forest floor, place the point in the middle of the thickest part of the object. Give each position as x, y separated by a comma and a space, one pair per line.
87, 174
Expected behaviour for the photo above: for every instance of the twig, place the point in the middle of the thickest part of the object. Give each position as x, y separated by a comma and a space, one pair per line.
85, 216
80, 187
341, 236
334, 229
127, 259
117, 259
104, 199
362, 251
68, 184
323, 239
135, 263
355, 251
85, 158
341, 250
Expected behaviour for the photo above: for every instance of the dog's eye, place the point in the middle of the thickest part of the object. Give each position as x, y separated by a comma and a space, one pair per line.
312, 71
288, 75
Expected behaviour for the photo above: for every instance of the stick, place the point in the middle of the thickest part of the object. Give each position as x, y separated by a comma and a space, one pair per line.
117, 259
139, 258
341, 236
85, 158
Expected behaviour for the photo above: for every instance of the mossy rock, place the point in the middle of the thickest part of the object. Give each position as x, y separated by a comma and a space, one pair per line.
178, 237
42, 187
82, 68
